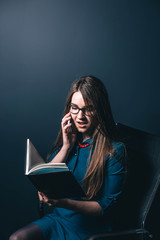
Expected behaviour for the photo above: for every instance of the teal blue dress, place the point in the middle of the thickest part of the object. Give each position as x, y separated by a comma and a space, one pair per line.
64, 224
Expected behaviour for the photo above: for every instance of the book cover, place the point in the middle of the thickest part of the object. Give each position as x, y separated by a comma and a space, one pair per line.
53, 179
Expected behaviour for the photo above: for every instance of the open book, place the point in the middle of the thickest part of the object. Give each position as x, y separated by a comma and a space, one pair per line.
53, 179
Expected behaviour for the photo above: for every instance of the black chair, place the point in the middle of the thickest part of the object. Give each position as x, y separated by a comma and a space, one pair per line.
137, 213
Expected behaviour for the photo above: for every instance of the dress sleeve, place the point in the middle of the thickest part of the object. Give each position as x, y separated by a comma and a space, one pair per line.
113, 179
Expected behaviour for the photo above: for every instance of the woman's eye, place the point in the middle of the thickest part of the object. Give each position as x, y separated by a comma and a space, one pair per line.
74, 108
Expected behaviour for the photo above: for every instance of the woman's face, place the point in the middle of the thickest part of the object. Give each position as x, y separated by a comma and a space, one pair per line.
83, 119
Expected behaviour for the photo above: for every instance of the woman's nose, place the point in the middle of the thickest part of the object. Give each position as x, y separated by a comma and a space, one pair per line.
80, 114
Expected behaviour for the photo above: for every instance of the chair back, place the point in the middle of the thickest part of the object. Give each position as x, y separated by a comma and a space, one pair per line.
142, 188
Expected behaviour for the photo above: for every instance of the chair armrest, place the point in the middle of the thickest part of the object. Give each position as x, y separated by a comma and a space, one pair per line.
133, 234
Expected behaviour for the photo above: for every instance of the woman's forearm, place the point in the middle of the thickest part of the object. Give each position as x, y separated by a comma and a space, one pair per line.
85, 207
61, 156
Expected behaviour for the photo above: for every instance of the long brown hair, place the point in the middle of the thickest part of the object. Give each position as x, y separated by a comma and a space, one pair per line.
94, 93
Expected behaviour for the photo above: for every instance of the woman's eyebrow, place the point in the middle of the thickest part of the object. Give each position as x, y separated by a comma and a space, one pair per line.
74, 104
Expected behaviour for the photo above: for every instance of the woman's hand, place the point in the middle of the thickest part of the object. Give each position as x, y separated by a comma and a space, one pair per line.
50, 202
69, 132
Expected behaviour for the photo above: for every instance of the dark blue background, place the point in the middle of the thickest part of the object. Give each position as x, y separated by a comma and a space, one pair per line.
44, 46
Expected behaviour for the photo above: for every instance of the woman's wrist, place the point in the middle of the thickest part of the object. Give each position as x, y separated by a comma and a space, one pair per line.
62, 203
66, 149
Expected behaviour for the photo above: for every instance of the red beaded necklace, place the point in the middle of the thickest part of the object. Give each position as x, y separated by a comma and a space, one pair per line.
83, 145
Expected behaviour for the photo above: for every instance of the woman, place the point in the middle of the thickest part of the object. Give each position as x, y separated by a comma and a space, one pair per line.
87, 142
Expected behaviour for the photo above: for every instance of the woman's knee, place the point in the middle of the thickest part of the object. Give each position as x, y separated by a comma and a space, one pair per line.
12, 237
30, 232
19, 235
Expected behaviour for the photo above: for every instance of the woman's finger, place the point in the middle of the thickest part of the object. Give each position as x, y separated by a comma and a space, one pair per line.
40, 196
45, 198
65, 119
67, 126
50, 204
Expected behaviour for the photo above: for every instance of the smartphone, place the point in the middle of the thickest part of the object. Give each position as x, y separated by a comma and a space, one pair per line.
70, 128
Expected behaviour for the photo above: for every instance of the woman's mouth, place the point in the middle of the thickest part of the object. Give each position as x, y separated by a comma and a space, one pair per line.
82, 124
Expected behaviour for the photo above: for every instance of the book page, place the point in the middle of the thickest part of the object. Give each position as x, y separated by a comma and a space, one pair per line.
49, 168
33, 158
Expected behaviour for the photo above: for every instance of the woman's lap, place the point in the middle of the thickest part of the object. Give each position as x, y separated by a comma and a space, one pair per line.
50, 227
54, 227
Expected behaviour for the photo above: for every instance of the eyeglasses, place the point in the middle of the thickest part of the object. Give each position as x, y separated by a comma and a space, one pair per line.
88, 110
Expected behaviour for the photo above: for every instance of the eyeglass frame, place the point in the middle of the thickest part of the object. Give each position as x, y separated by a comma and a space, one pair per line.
82, 109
